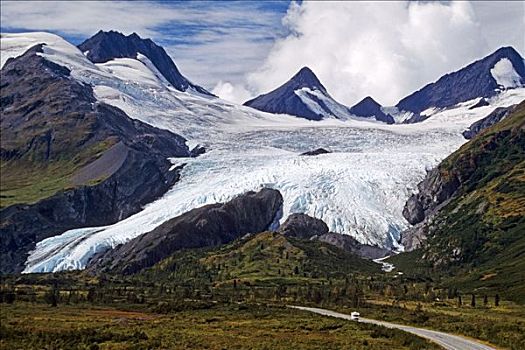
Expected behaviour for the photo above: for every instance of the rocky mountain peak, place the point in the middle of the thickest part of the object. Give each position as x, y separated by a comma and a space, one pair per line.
306, 78
106, 46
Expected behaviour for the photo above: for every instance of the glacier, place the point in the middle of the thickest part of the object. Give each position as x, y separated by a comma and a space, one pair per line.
359, 189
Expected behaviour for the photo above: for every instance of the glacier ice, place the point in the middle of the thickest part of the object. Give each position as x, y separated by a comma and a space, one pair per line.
359, 189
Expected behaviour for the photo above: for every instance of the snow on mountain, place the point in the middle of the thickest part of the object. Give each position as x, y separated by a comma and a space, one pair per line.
478, 79
106, 46
505, 74
359, 189
303, 96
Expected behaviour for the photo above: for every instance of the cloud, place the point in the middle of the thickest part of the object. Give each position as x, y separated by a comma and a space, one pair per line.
383, 49
244, 48
235, 93
209, 41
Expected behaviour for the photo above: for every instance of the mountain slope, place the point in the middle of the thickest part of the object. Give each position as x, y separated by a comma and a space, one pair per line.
69, 161
106, 46
303, 96
369, 108
471, 210
500, 70
210, 225
262, 259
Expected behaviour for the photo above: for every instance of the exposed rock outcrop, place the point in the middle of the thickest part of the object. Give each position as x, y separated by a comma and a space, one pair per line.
488, 158
303, 226
210, 225
495, 116
481, 103
306, 227
110, 164
473, 81
369, 108
351, 245
315, 152
290, 97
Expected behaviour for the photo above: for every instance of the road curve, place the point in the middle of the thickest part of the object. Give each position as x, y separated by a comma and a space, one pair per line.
447, 341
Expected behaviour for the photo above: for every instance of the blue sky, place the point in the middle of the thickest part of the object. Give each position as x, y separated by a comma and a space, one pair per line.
209, 40
243, 48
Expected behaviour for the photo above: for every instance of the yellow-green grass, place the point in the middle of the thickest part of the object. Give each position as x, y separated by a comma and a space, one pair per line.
34, 326
503, 326
24, 181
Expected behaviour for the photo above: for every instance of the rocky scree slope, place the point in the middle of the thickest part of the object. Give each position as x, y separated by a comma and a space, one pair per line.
210, 225
68, 161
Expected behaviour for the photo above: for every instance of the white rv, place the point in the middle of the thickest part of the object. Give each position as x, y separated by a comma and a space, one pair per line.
355, 316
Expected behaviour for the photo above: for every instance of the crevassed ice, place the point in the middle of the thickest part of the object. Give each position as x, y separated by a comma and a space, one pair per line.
360, 189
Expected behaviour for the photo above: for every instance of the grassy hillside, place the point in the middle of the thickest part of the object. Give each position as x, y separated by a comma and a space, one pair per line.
477, 240
266, 258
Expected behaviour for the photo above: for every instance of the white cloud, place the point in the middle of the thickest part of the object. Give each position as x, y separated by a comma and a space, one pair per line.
385, 50
382, 49
209, 41
230, 92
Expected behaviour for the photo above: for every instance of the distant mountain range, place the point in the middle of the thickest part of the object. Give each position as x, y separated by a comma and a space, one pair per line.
304, 95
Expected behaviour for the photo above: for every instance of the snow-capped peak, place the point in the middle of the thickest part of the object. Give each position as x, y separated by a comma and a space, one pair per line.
482, 78
306, 78
106, 46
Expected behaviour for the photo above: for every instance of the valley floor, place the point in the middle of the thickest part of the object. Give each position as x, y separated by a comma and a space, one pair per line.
233, 326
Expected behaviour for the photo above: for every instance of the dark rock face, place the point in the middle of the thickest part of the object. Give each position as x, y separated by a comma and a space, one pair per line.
50, 119
481, 103
306, 227
486, 157
210, 225
434, 190
105, 46
303, 226
284, 100
315, 152
197, 151
369, 108
495, 116
351, 245
475, 80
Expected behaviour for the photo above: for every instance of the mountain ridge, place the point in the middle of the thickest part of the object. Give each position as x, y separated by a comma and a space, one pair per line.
474, 80
105, 46
68, 160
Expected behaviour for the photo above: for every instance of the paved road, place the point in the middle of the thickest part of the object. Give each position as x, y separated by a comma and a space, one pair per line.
447, 341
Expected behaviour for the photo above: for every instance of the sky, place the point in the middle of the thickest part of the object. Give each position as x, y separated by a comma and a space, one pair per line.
240, 49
